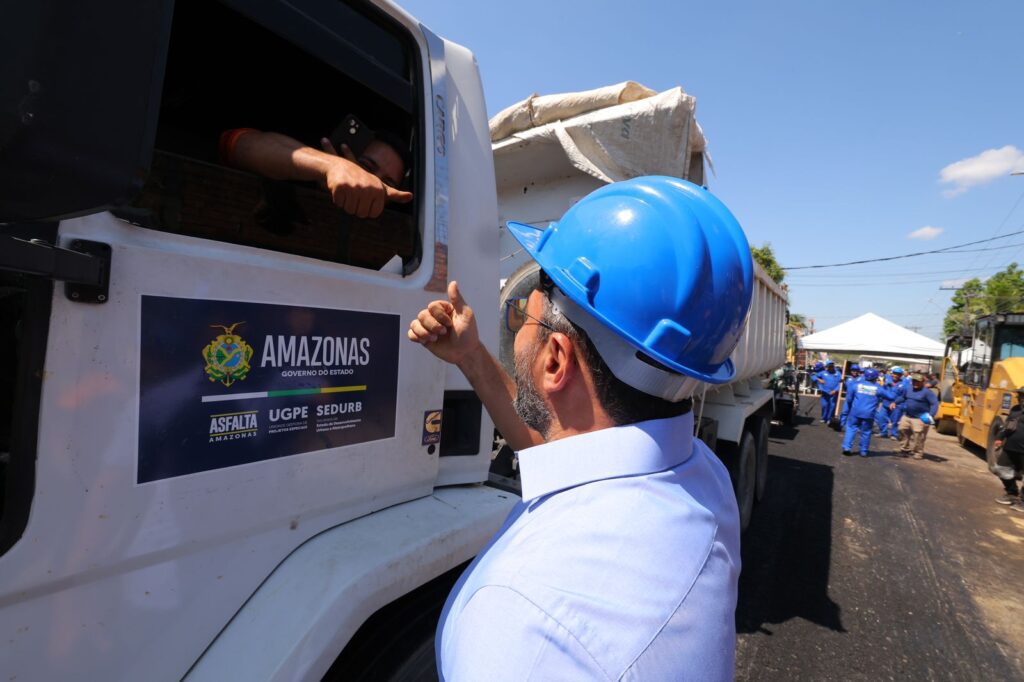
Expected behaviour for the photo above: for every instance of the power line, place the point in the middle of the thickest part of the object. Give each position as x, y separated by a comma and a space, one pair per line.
891, 274
988, 248
872, 283
947, 249
872, 280
1001, 224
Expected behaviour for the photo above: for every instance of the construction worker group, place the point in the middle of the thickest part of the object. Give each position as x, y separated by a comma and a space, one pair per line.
901, 407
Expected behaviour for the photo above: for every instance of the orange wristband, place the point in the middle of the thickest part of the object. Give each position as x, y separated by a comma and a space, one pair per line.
228, 140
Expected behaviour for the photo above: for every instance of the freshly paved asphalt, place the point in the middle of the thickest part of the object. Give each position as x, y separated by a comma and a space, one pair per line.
880, 567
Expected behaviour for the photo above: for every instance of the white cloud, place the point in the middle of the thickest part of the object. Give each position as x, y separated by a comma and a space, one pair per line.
926, 232
977, 170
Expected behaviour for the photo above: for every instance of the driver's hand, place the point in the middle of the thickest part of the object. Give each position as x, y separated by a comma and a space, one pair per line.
355, 190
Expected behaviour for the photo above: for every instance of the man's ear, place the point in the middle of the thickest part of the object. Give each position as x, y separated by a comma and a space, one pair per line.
560, 363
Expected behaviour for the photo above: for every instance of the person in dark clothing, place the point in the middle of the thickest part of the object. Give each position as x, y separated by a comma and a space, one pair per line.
918, 407
1009, 466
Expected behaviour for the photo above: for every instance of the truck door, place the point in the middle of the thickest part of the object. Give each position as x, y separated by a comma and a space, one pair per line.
236, 379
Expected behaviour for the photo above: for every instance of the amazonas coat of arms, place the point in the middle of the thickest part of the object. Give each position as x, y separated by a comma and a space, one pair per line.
227, 357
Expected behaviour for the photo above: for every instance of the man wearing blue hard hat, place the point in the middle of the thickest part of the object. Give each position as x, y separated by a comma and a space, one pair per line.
863, 400
848, 385
902, 385
622, 558
812, 374
888, 418
828, 384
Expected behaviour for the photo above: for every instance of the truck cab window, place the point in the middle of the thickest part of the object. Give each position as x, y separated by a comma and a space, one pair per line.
1010, 343
259, 127
981, 354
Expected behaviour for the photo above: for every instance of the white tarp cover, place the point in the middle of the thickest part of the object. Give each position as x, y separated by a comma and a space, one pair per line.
654, 134
537, 110
871, 334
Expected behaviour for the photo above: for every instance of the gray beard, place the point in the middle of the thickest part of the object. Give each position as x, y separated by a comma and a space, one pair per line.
528, 404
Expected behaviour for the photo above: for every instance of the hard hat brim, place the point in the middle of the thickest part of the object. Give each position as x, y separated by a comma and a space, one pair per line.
528, 236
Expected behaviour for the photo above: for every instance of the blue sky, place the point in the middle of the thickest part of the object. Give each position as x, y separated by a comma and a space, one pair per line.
830, 123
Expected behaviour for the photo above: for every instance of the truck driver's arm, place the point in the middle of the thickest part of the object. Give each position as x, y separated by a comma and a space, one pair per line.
280, 157
448, 330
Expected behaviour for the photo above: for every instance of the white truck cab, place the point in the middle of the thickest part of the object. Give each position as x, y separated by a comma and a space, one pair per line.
219, 456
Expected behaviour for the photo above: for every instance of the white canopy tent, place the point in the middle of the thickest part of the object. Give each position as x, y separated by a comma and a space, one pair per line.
874, 336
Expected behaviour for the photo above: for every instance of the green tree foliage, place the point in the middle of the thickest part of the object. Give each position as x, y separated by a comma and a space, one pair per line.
965, 306
765, 257
1003, 292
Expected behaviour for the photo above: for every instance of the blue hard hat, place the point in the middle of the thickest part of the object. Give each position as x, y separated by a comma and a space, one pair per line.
871, 374
855, 367
653, 264
897, 370
818, 366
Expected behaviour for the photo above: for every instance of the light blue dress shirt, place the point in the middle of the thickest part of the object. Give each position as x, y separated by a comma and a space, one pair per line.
620, 563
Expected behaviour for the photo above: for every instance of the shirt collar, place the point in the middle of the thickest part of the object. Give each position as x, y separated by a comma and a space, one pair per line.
635, 449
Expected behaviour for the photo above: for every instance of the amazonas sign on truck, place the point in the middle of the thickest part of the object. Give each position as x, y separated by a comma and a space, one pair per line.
224, 383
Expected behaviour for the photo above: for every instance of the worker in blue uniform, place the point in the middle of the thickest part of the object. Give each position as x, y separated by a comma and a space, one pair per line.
864, 401
894, 382
828, 384
902, 386
812, 375
848, 392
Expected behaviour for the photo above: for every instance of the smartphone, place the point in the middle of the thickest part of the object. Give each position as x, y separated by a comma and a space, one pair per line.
352, 133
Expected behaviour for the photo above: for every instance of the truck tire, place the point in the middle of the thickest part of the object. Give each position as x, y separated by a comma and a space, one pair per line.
519, 284
946, 426
762, 459
407, 656
746, 476
785, 409
990, 448
396, 644
419, 664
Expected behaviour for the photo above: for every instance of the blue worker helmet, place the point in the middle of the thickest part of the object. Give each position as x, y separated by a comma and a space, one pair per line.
818, 366
654, 266
897, 370
855, 367
871, 374
830, 362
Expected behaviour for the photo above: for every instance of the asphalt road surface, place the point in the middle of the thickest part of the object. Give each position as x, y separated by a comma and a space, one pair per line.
879, 568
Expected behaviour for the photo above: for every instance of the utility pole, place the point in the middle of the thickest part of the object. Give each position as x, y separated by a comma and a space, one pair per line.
968, 314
